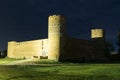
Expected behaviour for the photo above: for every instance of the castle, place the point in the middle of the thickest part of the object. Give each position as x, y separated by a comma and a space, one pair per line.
59, 46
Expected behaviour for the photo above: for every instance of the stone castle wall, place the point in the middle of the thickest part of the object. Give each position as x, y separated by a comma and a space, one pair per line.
84, 50
28, 49
58, 46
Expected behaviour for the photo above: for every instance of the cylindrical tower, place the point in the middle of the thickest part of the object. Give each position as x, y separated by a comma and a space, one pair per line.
56, 36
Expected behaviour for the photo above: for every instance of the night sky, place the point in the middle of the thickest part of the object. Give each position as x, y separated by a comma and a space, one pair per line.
22, 20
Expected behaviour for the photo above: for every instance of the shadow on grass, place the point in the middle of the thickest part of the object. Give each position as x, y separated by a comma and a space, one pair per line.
45, 76
18, 77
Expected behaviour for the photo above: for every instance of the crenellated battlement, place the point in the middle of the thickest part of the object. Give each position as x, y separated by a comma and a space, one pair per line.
56, 19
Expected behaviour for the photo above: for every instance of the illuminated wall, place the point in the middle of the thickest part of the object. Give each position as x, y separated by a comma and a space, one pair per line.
28, 49
56, 35
97, 33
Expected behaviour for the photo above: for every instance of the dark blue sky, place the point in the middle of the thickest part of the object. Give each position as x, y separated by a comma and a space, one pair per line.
22, 20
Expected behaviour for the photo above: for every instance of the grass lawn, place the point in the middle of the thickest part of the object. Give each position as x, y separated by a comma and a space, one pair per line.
61, 72
7, 60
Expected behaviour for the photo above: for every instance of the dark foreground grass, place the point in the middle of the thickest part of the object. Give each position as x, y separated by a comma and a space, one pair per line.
61, 72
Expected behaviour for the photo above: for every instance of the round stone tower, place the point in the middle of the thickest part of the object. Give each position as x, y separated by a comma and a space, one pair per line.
56, 36
97, 33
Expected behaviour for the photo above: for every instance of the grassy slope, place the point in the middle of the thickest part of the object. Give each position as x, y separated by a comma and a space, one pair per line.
59, 72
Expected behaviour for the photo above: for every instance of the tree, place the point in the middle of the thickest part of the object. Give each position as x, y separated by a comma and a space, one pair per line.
3, 53
0, 54
118, 43
109, 46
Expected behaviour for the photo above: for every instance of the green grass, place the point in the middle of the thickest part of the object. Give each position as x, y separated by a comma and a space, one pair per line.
43, 61
7, 60
61, 72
